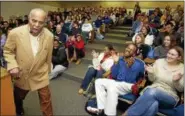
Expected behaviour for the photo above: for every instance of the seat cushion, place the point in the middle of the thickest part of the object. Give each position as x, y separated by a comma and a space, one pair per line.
129, 96
177, 111
168, 112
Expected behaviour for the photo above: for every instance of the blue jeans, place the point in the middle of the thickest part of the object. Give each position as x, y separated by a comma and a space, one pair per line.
149, 103
91, 73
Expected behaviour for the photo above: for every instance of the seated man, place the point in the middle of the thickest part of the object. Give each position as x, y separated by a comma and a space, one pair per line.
59, 59
125, 72
60, 35
86, 30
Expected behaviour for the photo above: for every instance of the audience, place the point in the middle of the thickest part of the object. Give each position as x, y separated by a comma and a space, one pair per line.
159, 32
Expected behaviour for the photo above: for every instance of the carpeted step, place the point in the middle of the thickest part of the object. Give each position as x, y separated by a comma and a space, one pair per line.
117, 31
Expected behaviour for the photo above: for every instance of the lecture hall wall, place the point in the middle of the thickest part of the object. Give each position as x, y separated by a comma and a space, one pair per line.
21, 8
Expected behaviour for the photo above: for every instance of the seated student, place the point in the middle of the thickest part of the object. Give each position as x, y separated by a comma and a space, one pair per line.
148, 39
68, 45
136, 26
59, 59
75, 49
167, 77
101, 63
86, 30
75, 29
128, 18
107, 22
98, 23
125, 72
154, 20
162, 50
60, 35
142, 49
181, 31
51, 27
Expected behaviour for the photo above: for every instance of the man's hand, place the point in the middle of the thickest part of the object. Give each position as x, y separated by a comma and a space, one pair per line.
15, 72
115, 58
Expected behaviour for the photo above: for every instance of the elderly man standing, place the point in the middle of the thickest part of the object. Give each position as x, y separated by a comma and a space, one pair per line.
28, 53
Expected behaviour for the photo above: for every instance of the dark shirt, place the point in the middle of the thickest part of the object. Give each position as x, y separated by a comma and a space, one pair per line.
59, 57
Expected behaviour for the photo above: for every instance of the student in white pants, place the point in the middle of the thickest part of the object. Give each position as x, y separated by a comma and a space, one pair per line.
108, 100
125, 72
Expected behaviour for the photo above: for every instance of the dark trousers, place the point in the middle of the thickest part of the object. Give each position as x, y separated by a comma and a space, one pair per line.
79, 52
44, 97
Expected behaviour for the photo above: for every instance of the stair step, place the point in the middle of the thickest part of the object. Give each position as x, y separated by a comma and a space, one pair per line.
116, 31
118, 38
115, 35
123, 27
112, 40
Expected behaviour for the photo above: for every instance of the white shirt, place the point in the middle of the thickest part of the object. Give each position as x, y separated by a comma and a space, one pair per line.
34, 44
106, 65
87, 27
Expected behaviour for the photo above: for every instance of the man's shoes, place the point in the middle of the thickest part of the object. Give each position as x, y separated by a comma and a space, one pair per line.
78, 61
20, 114
80, 91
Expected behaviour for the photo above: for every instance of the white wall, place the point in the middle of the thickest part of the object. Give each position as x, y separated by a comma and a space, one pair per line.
21, 8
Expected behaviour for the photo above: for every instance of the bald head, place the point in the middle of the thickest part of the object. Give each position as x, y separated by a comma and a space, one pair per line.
36, 11
37, 19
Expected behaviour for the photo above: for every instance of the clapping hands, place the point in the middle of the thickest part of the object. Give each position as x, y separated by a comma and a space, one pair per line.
94, 54
115, 57
149, 68
177, 77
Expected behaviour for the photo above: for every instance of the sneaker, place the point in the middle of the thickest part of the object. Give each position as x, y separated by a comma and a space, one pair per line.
78, 61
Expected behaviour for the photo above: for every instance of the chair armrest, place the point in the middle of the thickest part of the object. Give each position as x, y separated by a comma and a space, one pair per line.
149, 60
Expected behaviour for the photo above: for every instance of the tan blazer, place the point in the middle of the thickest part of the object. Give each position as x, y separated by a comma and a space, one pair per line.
18, 53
